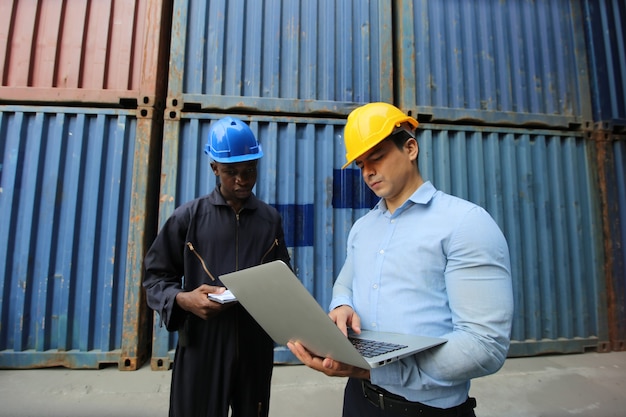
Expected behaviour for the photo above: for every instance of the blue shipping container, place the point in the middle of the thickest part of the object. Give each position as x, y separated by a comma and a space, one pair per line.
606, 43
493, 62
66, 185
280, 56
538, 185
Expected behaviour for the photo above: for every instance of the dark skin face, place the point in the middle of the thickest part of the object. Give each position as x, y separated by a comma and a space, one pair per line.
236, 181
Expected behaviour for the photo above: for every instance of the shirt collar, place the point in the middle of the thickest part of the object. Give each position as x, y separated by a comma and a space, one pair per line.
422, 195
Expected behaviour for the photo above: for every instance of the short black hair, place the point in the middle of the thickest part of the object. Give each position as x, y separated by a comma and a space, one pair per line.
399, 138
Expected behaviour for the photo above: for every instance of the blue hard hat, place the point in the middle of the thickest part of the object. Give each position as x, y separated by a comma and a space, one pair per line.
231, 140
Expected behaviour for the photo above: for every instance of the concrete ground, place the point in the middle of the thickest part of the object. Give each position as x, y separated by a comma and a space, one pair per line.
589, 384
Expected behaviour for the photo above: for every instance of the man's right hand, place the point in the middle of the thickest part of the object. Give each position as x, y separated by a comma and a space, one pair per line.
198, 303
345, 317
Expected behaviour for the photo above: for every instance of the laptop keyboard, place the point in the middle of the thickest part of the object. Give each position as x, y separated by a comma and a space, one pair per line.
370, 348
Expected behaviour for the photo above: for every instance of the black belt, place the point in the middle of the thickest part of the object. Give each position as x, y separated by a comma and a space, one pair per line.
390, 402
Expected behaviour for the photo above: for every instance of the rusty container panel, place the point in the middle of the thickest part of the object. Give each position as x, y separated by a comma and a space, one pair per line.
73, 192
108, 51
297, 56
611, 162
618, 239
606, 44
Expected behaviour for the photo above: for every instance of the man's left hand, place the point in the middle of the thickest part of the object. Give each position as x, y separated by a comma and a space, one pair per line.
327, 366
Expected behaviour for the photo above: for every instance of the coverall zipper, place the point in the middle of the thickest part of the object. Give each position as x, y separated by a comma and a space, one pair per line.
193, 250
274, 244
237, 240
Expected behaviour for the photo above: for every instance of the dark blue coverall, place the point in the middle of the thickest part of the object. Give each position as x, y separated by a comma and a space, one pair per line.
228, 359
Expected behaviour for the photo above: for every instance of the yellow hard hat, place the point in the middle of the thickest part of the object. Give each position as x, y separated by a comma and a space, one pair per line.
368, 125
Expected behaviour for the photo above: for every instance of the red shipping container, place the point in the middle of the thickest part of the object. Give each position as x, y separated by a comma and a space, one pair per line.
95, 52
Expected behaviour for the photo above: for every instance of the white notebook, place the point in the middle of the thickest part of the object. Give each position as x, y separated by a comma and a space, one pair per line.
223, 298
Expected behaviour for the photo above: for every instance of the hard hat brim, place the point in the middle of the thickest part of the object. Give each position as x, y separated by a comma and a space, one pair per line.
365, 149
240, 158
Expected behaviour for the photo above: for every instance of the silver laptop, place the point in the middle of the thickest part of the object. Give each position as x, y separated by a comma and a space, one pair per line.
278, 301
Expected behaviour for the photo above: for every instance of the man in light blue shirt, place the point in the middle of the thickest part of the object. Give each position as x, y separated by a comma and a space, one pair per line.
421, 262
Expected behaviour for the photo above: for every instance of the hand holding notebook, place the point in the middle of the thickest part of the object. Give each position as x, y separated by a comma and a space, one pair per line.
223, 298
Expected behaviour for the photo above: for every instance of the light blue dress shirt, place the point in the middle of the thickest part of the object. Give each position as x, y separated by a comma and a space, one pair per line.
439, 266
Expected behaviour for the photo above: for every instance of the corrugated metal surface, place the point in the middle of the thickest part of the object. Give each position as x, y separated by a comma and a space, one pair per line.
67, 189
280, 56
142, 228
538, 185
493, 61
606, 43
105, 51
611, 154
618, 240
77, 214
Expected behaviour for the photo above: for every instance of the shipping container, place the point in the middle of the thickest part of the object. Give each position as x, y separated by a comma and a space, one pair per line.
101, 52
518, 63
606, 45
539, 185
74, 195
313, 56
507, 94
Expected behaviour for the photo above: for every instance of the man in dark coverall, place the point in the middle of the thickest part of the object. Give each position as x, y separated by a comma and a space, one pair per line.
223, 359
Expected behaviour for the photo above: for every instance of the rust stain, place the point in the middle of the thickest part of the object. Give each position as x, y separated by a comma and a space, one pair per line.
604, 162
166, 199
